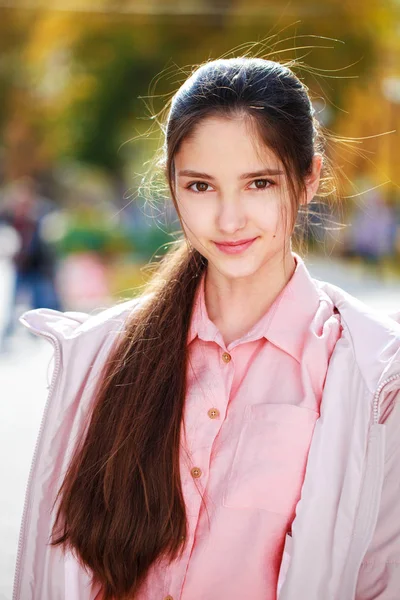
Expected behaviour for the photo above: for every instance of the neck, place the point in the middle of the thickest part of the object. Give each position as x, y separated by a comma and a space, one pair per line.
236, 304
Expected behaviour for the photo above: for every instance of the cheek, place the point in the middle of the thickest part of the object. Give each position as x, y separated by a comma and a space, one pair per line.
195, 216
266, 215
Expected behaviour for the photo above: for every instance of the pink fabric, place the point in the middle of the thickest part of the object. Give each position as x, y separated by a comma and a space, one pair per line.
253, 454
346, 533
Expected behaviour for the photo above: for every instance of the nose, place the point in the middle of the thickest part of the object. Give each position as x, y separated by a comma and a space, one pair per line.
231, 214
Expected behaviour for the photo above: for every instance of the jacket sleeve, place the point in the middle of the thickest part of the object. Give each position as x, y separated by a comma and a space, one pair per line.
379, 575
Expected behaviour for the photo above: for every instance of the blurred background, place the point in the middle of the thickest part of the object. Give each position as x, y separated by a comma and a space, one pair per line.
78, 85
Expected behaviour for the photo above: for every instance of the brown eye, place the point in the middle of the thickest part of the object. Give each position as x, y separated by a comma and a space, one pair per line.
260, 183
199, 186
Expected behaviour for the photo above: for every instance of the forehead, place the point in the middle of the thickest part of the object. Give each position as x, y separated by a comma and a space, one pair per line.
221, 143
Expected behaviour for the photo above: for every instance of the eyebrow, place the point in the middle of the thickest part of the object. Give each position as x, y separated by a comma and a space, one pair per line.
252, 175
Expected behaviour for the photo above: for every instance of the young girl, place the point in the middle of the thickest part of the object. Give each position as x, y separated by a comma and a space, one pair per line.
235, 432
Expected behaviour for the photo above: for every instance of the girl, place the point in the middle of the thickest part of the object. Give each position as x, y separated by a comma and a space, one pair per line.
235, 432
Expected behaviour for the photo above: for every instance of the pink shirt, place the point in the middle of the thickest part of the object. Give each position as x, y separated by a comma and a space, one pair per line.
250, 412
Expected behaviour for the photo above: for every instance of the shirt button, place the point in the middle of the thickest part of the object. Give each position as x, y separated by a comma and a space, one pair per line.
213, 413
226, 357
196, 472
168, 598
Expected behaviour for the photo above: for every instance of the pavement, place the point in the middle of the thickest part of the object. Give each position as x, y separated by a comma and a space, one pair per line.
23, 392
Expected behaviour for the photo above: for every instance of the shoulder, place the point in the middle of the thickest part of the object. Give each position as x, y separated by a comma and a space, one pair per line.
372, 337
355, 312
63, 326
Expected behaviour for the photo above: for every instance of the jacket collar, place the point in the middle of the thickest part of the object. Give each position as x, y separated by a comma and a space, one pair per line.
373, 336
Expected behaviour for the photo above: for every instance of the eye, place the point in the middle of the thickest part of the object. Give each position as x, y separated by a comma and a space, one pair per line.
200, 186
262, 184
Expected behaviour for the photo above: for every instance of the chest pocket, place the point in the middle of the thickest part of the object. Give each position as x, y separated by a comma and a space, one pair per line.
268, 466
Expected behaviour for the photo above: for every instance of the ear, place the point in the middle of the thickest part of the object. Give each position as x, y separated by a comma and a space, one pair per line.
313, 178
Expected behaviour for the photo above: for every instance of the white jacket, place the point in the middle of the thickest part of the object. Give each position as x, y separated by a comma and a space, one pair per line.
345, 542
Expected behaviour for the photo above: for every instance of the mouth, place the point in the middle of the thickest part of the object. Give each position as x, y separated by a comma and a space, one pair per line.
235, 247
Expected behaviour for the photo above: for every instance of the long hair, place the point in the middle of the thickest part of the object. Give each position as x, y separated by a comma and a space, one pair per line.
120, 506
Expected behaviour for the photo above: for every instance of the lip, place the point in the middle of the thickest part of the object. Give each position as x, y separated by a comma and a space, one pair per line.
235, 247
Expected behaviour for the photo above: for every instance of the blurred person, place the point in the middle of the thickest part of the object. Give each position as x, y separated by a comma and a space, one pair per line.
234, 432
373, 231
25, 212
84, 282
9, 246
87, 227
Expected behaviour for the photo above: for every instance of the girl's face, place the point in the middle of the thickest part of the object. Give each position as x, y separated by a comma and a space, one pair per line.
232, 197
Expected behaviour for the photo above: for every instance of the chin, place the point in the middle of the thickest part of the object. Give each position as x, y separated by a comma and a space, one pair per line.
237, 269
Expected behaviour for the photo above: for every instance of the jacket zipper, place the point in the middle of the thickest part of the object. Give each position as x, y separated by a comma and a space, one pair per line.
376, 407
363, 546
25, 513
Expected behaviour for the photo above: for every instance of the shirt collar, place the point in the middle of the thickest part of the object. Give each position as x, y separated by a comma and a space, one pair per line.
286, 322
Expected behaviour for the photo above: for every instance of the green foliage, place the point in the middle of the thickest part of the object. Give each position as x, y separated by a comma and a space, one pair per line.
111, 60
97, 122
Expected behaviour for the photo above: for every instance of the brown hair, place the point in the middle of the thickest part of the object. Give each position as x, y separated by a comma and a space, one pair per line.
121, 505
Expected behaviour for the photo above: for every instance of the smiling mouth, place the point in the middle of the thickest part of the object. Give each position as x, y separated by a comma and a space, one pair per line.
235, 247
238, 243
